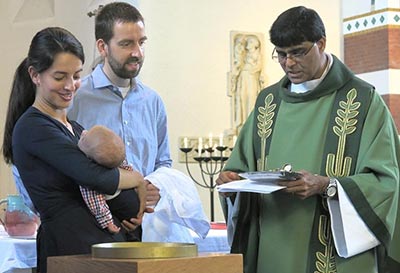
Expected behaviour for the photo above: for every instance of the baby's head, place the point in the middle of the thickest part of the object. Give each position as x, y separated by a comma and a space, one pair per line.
103, 146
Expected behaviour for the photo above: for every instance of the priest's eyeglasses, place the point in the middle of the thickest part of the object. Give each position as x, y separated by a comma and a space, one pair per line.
296, 55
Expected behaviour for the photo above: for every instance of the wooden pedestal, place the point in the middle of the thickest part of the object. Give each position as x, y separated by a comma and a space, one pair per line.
205, 262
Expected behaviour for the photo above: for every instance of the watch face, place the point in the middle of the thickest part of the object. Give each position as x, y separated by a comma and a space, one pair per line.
331, 191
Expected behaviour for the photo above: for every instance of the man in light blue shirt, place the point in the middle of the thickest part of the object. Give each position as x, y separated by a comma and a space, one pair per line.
112, 95
139, 118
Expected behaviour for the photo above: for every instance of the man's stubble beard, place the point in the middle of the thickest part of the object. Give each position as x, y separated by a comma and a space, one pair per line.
120, 70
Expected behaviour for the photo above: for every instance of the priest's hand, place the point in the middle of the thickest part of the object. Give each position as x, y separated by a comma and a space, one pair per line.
226, 177
308, 185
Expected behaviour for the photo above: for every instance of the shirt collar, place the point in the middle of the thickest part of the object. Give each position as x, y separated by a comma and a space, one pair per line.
100, 80
310, 85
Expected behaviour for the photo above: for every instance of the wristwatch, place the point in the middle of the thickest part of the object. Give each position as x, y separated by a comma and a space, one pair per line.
331, 190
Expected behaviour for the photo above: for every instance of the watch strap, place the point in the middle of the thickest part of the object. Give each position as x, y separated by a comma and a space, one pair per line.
332, 187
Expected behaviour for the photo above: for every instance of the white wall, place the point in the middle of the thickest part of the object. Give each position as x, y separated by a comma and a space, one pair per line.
187, 56
19, 21
357, 7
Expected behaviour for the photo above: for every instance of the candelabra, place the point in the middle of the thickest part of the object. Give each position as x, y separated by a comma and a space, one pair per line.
95, 11
211, 161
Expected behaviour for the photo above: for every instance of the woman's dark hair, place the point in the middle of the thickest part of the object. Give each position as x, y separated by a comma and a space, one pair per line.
112, 13
295, 26
45, 45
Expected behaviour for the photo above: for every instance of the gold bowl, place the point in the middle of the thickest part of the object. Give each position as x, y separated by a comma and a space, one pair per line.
142, 250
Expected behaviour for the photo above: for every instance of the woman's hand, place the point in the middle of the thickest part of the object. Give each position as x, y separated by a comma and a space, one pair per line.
133, 179
142, 194
133, 223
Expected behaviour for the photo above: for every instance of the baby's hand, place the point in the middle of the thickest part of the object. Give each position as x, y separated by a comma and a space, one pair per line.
126, 166
112, 228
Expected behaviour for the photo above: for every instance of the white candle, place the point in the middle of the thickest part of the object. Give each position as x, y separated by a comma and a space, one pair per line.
210, 140
221, 140
185, 142
206, 148
234, 140
200, 147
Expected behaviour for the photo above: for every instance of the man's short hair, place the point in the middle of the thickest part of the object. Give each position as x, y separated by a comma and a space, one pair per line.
115, 12
295, 26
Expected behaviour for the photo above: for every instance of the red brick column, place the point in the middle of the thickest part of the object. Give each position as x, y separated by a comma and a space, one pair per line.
393, 102
373, 50
373, 45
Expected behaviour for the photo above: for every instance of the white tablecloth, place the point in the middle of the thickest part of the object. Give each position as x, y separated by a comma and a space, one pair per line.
16, 255
216, 241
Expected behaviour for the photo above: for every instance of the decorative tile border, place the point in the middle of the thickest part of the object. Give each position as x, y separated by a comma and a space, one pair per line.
371, 20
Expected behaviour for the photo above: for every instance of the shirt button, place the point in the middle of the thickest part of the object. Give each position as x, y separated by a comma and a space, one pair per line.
125, 122
128, 143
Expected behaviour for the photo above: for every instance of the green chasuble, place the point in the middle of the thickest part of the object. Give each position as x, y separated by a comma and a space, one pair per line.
340, 129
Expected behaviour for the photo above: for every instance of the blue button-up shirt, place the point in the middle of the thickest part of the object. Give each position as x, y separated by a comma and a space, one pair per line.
139, 119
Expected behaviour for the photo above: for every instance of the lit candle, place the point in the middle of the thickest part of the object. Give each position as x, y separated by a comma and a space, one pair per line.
234, 140
221, 140
200, 147
185, 142
210, 140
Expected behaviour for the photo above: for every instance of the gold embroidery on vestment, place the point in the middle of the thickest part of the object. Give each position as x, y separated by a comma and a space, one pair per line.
325, 260
264, 124
337, 165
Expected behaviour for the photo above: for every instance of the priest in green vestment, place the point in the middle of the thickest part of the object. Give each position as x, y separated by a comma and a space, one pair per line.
342, 214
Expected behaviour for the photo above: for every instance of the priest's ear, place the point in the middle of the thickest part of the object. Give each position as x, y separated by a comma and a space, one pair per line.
321, 43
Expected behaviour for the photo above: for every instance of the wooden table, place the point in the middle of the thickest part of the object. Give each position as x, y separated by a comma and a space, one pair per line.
204, 262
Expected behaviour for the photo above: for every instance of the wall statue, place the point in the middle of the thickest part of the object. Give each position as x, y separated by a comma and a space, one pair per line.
246, 78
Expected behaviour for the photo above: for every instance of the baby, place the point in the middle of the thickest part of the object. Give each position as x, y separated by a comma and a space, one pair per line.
106, 148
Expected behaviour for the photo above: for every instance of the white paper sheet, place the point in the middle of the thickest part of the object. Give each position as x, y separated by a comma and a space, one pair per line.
247, 185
